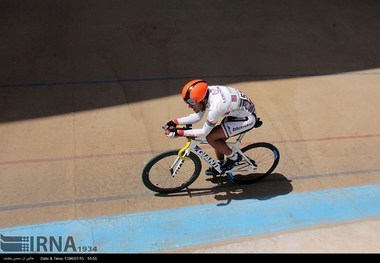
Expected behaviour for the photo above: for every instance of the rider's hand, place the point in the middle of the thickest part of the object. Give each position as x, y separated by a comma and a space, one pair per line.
170, 124
171, 133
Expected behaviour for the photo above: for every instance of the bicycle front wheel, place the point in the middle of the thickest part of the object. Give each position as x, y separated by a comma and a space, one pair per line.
264, 155
166, 173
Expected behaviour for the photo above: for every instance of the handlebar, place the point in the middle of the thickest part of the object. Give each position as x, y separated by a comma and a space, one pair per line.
182, 127
184, 149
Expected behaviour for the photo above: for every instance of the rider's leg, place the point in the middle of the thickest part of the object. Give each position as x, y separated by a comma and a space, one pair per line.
217, 139
231, 127
220, 133
219, 156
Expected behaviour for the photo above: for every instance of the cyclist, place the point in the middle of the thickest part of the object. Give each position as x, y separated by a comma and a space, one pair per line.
221, 101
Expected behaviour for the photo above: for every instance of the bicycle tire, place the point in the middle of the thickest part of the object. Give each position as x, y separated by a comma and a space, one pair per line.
156, 174
266, 157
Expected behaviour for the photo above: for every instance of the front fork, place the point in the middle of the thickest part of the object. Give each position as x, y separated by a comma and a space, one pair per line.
176, 166
180, 160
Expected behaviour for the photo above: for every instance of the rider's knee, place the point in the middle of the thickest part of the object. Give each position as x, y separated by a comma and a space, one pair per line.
211, 137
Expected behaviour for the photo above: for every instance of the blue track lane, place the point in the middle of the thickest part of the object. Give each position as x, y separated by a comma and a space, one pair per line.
153, 231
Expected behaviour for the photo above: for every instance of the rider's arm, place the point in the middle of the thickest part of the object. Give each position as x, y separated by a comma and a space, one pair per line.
172, 132
190, 119
212, 119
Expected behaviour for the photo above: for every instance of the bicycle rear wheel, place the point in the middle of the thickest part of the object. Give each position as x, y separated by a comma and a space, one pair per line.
264, 155
157, 174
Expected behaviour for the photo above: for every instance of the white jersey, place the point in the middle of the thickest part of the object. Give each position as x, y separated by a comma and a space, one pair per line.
223, 101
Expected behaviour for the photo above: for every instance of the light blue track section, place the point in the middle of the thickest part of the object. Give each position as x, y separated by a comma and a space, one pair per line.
154, 231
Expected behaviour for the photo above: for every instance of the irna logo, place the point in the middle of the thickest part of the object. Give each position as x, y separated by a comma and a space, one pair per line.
37, 244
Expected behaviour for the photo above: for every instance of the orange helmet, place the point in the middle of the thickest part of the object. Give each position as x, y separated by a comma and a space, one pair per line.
194, 91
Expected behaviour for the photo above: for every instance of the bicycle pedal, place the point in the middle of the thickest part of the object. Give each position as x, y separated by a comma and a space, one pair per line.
216, 176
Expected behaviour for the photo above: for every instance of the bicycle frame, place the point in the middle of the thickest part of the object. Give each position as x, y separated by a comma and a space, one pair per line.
193, 145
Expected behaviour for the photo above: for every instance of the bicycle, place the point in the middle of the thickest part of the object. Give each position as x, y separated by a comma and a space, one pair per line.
174, 170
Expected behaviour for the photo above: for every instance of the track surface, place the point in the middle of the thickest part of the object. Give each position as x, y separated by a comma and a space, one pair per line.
86, 85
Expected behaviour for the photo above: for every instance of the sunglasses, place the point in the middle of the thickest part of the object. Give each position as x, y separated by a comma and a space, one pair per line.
191, 101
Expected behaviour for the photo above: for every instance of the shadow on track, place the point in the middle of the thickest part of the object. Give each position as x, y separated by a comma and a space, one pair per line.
224, 190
